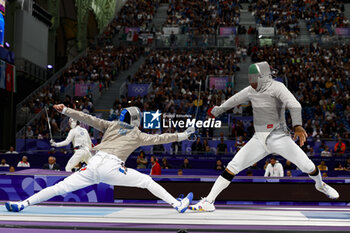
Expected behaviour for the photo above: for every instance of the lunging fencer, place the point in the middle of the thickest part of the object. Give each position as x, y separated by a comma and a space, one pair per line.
120, 139
81, 142
269, 100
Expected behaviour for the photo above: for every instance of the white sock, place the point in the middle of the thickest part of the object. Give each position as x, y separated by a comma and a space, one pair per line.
41, 196
25, 203
220, 184
317, 179
161, 193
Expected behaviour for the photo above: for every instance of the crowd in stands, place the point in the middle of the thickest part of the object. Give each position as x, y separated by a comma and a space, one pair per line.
203, 17
272, 167
282, 14
321, 17
175, 77
24, 163
137, 13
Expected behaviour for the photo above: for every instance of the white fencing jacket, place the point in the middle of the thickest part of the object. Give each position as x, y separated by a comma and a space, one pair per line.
79, 137
269, 105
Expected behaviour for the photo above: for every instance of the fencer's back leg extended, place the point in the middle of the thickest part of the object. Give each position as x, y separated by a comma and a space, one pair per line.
71, 183
132, 178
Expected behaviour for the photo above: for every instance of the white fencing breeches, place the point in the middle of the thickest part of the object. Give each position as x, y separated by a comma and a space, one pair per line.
279, 143
80, 155
105, 168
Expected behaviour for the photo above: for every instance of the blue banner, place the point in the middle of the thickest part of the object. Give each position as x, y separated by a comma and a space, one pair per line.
137, 90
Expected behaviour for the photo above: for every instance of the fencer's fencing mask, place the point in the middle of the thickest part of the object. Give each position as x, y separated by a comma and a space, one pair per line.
131, 115
73, 123
259, 75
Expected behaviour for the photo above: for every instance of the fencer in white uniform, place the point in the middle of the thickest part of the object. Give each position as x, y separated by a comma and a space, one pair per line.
120, 138
81, 141
269, 99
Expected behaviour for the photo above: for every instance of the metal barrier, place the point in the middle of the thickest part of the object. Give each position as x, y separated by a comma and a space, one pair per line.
232, 41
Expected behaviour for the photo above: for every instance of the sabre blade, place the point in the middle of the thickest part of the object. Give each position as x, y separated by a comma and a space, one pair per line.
48, 122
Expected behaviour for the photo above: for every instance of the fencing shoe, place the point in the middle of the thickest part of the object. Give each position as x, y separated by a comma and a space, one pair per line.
203, 205
328, 190
14, 206
184, 203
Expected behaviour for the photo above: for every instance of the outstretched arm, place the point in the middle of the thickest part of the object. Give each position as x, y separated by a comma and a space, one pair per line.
233, 101
66, 141
95, 122
156, 139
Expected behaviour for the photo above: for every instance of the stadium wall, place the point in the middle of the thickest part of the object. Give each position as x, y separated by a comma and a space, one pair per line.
31, 38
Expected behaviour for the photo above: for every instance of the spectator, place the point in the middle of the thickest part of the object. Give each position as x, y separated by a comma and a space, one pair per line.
347, 165
11, 151
289, 173
3, 163
179, 172
267, 162
141, 161
222, 147
311, 152
339, 167
206, 147
324, 175
274, 169
52, 165
254, 167
156, 169
186, 164
239, 143
340, 147
165, 164
24, 162
289, 165
249, 173
12, 169
197, 147
322, 166
326, 152
29, 132
219, 166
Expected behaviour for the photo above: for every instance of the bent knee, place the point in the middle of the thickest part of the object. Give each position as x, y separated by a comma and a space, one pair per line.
234, 167
307, 167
